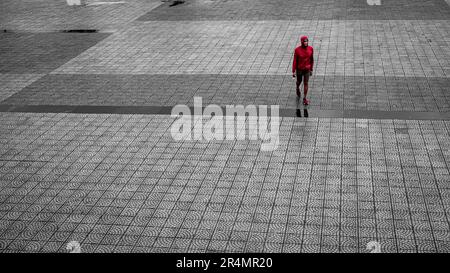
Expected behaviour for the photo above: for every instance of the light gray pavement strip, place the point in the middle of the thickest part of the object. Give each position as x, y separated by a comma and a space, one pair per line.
120, 181
344, 48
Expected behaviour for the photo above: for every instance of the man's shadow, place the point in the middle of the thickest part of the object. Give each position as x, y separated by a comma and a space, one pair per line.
298, 111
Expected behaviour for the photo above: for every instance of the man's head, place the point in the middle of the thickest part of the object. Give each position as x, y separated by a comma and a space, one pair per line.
304, 41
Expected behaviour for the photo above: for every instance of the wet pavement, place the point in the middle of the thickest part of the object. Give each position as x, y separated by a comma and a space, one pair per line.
87, 155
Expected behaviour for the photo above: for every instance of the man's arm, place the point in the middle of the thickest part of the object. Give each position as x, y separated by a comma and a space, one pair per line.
294, 64
312, 59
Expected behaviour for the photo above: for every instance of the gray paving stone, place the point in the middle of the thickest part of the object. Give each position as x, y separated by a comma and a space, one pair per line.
48, 15
116, 181
116, 226
39, 53
292, 10
353, 93
397, 48
12, 83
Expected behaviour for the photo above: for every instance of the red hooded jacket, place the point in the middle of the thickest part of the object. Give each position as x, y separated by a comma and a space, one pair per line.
303, 57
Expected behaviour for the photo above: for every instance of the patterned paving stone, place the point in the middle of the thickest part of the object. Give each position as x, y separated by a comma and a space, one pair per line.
293, 10
339, 93
40, 53
377, 170
346, 48
48, 15
13, 83
346, 227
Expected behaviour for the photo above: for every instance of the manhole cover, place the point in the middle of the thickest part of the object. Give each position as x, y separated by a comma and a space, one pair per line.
176, 3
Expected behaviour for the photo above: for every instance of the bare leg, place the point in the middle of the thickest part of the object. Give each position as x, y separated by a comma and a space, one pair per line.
298, 83
305, 84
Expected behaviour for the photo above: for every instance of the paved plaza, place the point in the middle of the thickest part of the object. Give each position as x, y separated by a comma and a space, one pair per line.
87, 154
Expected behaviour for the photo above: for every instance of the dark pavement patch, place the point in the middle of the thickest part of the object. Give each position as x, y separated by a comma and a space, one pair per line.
414, 94
26, 53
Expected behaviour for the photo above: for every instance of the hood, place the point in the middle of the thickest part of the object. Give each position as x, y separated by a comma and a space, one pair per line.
302, 39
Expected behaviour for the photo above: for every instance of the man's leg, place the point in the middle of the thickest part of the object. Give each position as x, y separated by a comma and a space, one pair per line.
305, 83
305, 87
299, 81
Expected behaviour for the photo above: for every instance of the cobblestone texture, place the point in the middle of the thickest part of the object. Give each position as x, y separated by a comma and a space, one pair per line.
121, 183
235, 10
344, 48
40, 53
51, 15
330, 92
13, 83
116, 182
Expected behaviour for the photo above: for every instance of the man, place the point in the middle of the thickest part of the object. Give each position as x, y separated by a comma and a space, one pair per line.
302, 66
